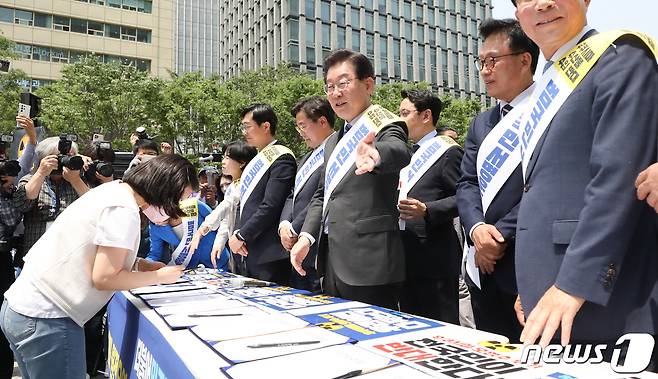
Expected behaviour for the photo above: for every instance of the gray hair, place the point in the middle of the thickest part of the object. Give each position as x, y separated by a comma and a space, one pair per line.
48, 147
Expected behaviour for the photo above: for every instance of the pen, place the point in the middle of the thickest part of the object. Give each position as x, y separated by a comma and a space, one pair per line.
213, 314
355, 373
282, 344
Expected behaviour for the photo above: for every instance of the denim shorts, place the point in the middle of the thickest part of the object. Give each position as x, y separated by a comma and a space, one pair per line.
44, 347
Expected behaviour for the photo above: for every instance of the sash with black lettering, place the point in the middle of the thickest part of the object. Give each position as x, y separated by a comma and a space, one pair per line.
256, 168
559, 81
421, 161
314, 161
182, 256
343, 158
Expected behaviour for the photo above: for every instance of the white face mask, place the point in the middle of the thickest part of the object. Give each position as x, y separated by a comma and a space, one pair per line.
156, 215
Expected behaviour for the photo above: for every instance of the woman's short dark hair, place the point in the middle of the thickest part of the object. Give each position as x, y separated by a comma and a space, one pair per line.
362, 66
162, 180
315, 107
239, 151
261, 113
146, 144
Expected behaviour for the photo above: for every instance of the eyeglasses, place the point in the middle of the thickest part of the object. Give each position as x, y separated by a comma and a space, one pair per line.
490, 62
301, 127
407, 112
341, 86
246, 127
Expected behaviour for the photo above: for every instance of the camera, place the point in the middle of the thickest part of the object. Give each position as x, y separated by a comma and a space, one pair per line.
103, 156
74, 162
141, 133
4, 65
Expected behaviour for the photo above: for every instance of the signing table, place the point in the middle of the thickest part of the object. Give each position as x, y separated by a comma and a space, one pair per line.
215, 325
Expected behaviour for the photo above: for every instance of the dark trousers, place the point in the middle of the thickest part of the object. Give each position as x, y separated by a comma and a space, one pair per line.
277, 271
95, 343
7, 278
435, 298
386, 295
493, 308
310, 282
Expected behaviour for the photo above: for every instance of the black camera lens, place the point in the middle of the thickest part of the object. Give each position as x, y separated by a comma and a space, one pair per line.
105, 169
71, 162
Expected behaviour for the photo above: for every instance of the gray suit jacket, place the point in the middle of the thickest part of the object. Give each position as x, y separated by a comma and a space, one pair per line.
580, 225
364, 237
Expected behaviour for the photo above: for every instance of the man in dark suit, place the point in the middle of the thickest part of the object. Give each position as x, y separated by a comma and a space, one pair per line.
255, 238
586, 246
507, 61
431, 245
360, 249
315, 121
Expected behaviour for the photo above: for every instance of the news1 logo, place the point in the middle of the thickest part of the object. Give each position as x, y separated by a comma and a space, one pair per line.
631, 353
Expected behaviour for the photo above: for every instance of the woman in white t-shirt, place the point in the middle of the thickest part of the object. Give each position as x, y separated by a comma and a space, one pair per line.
88, 253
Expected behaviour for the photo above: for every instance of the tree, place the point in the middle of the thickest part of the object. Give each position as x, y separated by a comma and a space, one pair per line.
9, 88
106, 98
457, 114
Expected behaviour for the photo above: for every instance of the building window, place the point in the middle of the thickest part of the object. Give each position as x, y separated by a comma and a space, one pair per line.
381, 6
143, 36
370, 46
396, 28
43, 20
419, 13
406, 8
369, 5
430, 17
95, 28
293, 53
370, 22
326, 36
76, 56
421, 34
59, 55
395, 8
293, 7
310, 56
407, 30
78, 26
293, 30
309, 8
382, 24
325, 11
340, 14
6, 14
23, 17
341, 37
25, 51
130, 5
114, 3
113, 31
40, 53
61, 23
129, 34
355, 18
356, 40
310, 33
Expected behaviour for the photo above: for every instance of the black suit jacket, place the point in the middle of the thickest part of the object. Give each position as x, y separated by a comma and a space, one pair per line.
296, 212
259, 220
431, 244
502, 213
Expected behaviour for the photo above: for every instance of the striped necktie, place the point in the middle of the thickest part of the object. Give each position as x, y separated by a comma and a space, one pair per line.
505, 110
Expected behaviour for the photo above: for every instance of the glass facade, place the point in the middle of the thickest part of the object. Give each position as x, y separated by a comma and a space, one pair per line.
406, 40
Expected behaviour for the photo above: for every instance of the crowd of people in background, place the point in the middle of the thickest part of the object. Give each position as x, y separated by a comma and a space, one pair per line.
541, 229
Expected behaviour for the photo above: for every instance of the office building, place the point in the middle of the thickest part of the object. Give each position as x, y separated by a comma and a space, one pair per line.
51, 33
410, 41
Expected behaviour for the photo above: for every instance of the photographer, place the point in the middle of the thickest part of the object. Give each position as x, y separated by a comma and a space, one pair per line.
143, 149
10, 217
52, 187
208, 186
100, 169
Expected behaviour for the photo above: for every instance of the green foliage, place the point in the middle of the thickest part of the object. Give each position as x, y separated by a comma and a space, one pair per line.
457, 114
9, 92
110, 99
7, 49
194, 113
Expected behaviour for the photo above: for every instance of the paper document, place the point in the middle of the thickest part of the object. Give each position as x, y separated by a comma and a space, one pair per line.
165, 288
247, 326
326, 363
272, 345
182, 301
471, 269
